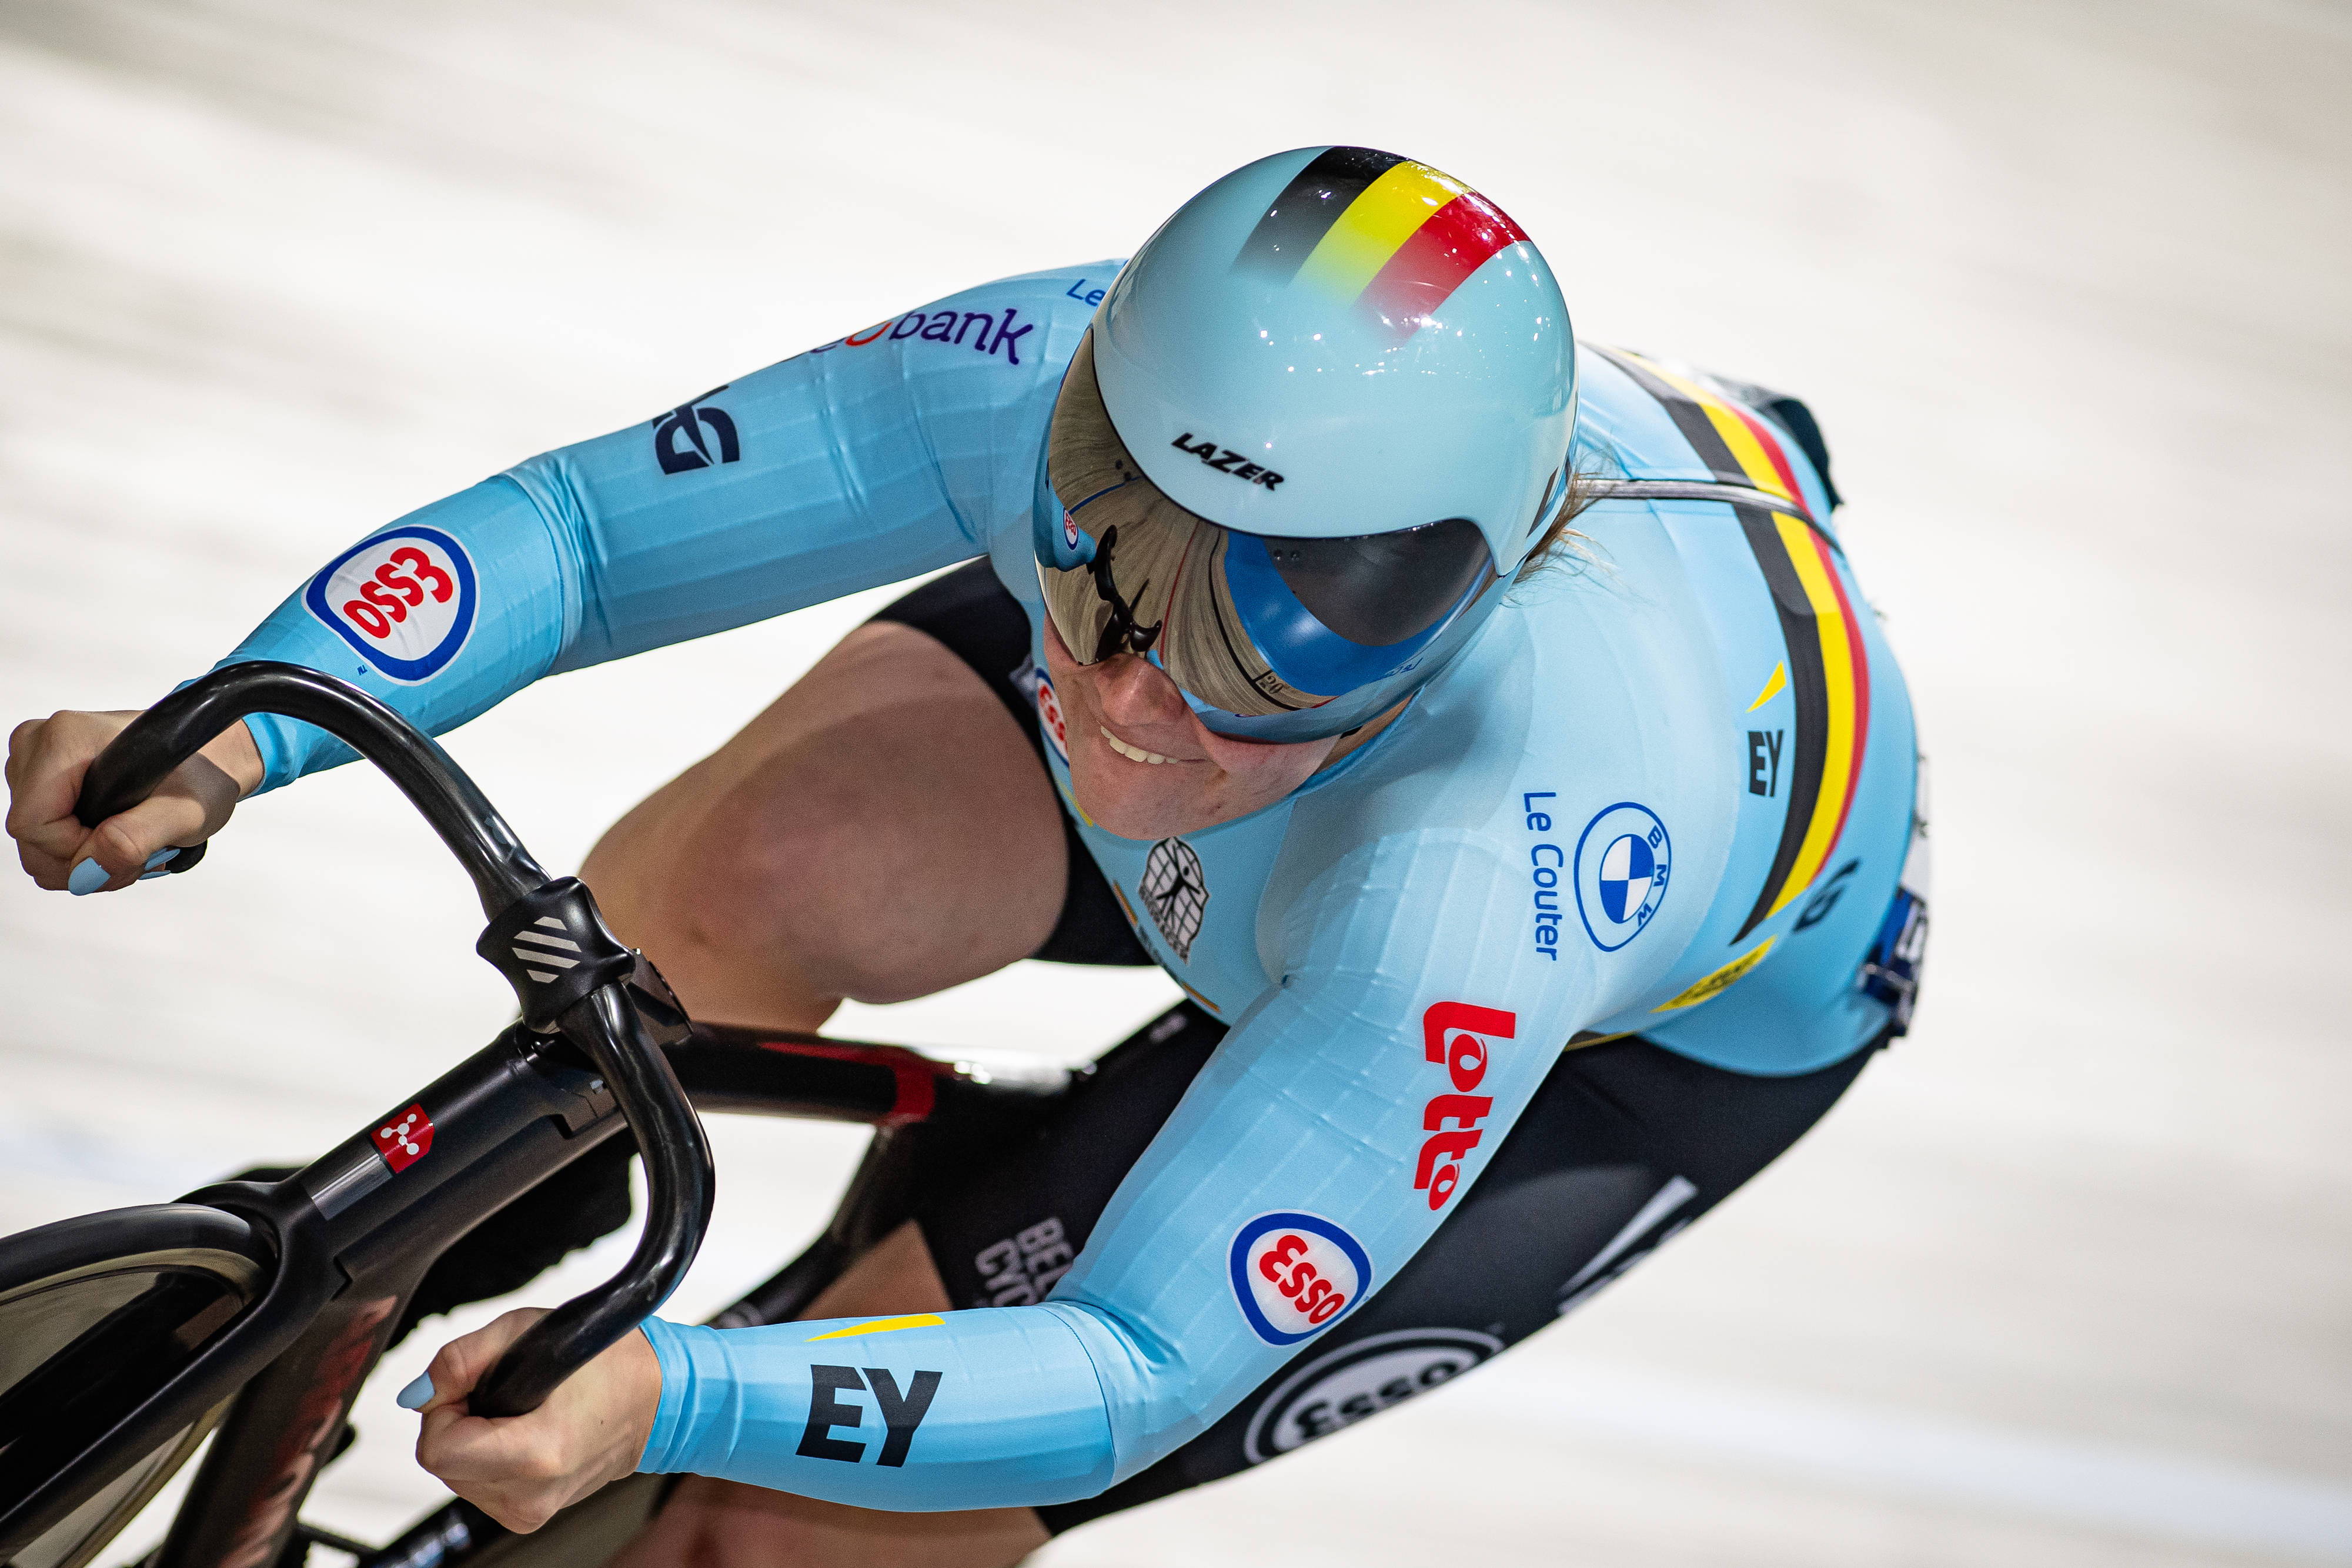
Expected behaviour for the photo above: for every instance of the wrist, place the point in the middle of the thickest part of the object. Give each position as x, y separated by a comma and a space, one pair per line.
645, 1392
643, 1396
235, 753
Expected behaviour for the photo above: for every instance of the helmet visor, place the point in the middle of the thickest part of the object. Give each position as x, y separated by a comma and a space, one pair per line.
1250, 626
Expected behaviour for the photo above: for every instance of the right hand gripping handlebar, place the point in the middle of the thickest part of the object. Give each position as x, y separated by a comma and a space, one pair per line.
545, 937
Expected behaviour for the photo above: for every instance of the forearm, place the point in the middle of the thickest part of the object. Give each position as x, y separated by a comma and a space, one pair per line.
441, 615
1309, 1159
971, 1409
825, 474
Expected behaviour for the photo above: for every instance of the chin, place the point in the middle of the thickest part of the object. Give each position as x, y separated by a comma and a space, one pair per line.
1145, 814
1122, 798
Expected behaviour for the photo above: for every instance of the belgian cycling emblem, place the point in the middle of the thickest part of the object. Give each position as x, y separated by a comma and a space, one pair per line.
405, 600
1294, 1274
1360, 1379
679, 436
1621, 873
1176, 890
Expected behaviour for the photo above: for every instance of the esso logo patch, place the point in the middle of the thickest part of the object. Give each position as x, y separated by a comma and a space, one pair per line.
1049, 716
1295, 1273
405, 600
1360, 1379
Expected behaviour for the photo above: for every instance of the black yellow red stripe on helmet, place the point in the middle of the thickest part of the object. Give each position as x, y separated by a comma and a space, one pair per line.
1828, 668
1378, 231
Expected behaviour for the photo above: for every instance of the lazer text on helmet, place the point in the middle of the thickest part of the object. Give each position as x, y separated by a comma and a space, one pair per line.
1225, 460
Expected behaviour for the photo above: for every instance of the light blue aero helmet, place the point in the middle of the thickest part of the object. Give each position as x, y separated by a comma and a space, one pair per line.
1317, 423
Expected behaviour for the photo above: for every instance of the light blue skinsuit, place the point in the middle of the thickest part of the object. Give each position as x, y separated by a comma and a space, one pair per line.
1574, 825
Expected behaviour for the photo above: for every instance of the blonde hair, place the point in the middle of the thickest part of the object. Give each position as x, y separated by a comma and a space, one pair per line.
1560, 542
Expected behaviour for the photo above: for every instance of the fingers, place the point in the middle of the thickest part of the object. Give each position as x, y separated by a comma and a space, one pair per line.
521, 1469
47, 762
129, 844
484, 1461
464, 1361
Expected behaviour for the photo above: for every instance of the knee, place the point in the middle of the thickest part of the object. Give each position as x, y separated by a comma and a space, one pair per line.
712, 881
804, 880
813, 872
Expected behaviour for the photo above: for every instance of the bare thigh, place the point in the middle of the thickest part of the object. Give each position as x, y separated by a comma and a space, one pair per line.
710, 1524
882, 831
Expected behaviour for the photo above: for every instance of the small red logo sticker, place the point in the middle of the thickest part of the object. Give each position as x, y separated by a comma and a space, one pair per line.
405, 1139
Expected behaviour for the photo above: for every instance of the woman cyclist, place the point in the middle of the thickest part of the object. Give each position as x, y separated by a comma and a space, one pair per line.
1533, 885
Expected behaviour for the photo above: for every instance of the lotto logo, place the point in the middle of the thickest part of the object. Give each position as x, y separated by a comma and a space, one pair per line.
405, 600
1294, 1273
405, 1138
1449, 1035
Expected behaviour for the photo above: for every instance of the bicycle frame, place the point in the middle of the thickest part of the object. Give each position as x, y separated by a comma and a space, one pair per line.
360, 1235
602, 1045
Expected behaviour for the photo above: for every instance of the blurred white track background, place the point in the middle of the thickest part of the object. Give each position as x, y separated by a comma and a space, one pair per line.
2064, 1282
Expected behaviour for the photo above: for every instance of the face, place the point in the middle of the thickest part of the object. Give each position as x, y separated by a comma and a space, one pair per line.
1144, 767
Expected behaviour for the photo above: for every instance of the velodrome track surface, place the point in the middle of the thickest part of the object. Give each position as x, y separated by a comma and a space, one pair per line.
2064, 1282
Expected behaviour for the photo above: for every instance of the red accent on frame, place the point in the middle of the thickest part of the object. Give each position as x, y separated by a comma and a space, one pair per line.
916, 1076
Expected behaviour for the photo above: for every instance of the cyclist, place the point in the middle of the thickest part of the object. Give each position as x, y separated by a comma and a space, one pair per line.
1543, 883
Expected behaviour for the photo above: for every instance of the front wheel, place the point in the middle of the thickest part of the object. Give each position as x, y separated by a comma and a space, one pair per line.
96, 1315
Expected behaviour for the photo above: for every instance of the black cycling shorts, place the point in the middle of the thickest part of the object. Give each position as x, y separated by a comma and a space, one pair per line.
969, 611
1625, 1144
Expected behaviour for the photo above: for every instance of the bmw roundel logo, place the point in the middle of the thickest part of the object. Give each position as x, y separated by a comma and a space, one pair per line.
1620, 873
405, 600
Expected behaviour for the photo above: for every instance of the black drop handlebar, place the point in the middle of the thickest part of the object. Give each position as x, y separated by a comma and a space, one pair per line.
586, 997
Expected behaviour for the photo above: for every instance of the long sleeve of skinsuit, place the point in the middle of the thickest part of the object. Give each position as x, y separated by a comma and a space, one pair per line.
861, 463
1315, 1154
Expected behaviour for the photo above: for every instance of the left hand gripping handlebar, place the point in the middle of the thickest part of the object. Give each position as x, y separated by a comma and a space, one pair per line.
545, 935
